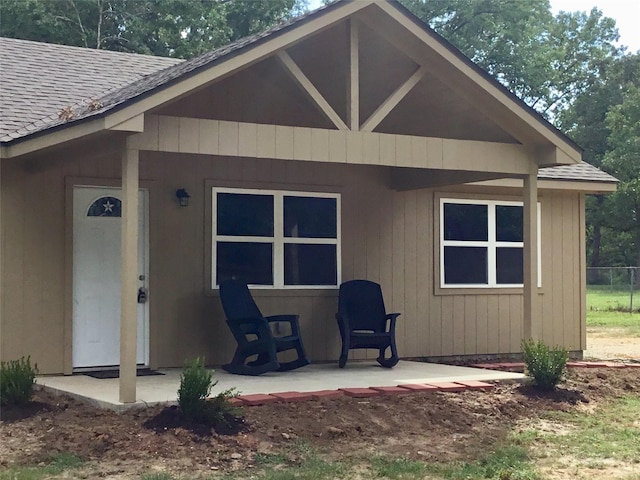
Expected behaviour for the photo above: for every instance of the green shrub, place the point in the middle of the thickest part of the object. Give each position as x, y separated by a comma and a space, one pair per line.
196, 383
546, 365
17, 378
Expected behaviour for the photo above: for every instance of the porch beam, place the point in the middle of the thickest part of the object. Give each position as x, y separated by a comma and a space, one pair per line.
531, 321
298, 75
129, 273
353, 93
135, 124
237, 139
393, 100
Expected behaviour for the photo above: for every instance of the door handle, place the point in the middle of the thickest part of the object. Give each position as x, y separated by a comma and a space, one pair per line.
142, 295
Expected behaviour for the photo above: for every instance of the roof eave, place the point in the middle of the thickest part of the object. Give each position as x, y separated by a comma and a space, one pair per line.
53, 136
582, 186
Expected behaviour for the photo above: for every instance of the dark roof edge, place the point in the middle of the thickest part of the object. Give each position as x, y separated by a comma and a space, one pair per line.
486, 75
615, 181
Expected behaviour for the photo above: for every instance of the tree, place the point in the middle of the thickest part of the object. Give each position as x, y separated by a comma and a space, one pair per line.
178, 28
547, 61
623, 159
586, 121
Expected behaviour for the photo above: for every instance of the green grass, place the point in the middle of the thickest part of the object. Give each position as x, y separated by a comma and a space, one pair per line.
56, 465
605, 298
158, 476
312, 468
621, 324
397, 468
603, 310
608, 433
510, 462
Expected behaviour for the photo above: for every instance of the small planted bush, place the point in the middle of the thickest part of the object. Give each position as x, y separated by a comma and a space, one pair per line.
17, 378
196, 383
546, 365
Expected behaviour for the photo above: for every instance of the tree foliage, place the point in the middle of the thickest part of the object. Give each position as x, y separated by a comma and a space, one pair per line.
604, 121
546, 60
623, 159
178, 28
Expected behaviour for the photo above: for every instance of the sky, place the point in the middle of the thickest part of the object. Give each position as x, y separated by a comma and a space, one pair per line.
626, 13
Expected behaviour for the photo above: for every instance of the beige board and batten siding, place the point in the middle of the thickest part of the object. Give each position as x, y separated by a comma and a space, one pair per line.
387, 236
248, 140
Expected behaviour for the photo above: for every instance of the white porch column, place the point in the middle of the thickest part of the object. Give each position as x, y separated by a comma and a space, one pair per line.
531, 326
129, 274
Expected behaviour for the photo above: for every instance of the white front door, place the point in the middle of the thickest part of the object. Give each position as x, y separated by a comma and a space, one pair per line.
96, 277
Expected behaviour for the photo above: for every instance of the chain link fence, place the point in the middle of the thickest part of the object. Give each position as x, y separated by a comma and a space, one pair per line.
613, 289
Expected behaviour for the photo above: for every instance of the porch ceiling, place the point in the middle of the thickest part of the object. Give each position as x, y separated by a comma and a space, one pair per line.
265, 93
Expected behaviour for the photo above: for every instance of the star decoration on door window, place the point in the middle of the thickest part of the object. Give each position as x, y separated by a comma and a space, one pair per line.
105, 207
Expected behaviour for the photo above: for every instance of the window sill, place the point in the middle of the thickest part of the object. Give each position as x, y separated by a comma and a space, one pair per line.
482, 291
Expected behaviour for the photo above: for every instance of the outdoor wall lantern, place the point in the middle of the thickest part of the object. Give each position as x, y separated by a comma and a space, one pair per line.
183, 197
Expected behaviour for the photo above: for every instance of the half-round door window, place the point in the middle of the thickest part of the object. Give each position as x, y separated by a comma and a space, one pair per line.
105, 207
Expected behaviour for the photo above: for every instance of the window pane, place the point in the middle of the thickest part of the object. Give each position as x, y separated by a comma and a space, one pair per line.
310, 217
105, 207
245, 215
465, 222
509, 266
310, 264
251, 262
509, 223
465, 265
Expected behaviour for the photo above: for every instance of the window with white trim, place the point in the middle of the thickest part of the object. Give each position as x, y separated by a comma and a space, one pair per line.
276, 239
481, 244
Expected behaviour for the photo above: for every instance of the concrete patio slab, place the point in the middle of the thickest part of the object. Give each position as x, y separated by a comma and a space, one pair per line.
312, 378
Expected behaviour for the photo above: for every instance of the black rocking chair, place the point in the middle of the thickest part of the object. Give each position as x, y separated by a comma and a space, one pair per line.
254, 336
364, 322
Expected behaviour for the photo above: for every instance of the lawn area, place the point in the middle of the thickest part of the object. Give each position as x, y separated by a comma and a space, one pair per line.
605, 298
604, 311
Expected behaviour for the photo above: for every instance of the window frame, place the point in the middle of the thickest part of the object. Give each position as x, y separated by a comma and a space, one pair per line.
491, 244
278, 240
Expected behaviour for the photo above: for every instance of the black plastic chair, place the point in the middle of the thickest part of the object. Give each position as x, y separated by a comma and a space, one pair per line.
254, 336
364, 322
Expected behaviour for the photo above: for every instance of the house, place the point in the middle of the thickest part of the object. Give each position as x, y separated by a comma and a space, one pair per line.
353, 142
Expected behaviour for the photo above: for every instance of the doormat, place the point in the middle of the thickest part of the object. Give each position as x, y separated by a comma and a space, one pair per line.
102, 374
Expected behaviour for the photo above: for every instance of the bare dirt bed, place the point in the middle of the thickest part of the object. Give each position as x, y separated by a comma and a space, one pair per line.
425, 426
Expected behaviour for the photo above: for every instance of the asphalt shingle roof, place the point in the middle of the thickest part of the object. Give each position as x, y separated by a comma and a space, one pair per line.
583, 172
38, 80
121, 77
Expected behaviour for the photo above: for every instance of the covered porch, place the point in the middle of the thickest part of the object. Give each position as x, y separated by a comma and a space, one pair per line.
158, 389
371, 148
